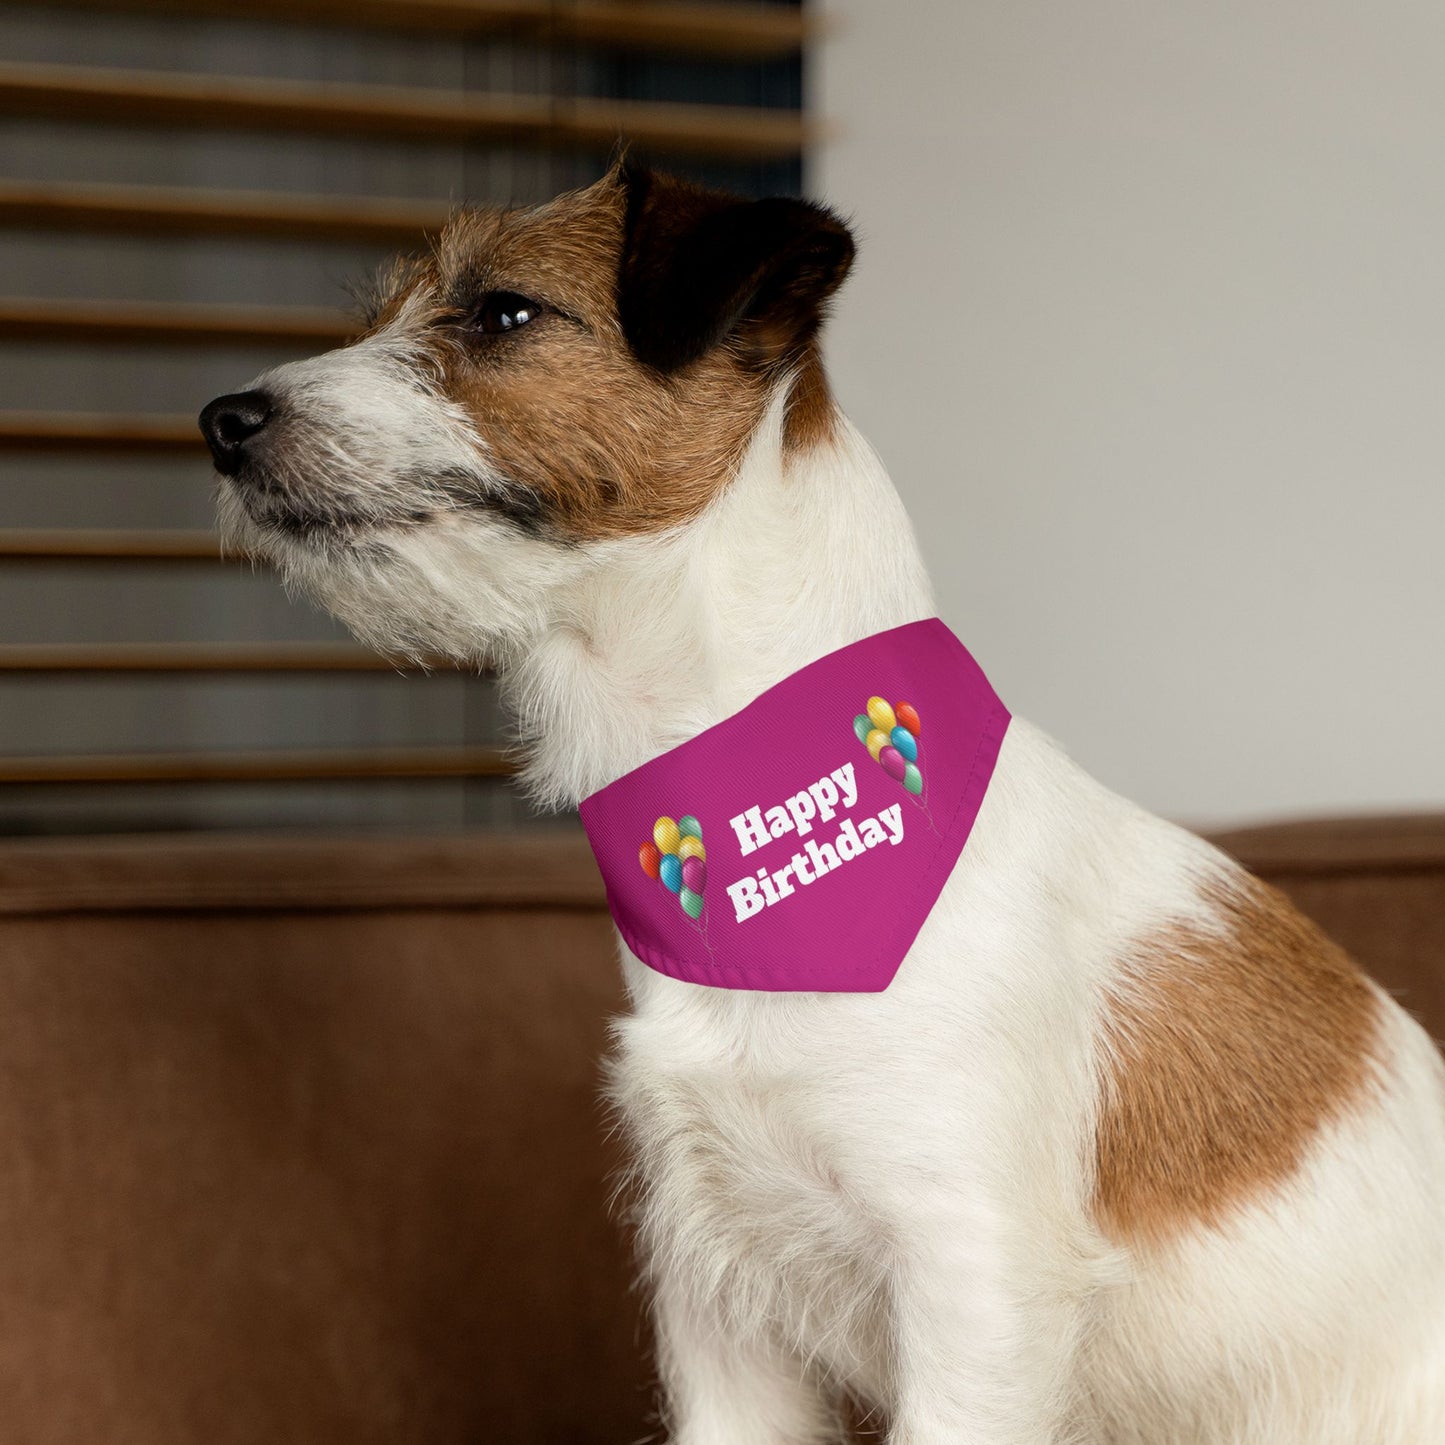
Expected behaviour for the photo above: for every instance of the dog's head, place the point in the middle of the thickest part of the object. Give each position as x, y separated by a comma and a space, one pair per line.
544, 384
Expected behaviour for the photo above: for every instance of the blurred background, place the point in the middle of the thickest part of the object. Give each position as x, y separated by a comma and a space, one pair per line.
187, 194
1149, 324
301, 1009
1146, 323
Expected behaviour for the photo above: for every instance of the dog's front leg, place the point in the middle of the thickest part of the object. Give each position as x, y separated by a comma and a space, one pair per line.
725, 1387
985, 1338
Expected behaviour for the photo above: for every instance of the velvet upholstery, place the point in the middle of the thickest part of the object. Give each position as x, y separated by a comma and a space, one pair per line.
300, 1138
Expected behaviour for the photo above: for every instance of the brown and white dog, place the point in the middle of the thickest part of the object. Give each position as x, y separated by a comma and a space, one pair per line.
1127, 1152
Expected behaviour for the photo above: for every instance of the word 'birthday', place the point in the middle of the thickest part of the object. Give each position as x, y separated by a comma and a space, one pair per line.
815, 805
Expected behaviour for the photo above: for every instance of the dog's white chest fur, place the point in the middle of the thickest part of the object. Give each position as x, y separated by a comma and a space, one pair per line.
748, 1189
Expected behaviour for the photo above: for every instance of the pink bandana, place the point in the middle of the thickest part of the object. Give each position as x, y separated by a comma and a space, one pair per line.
800, 843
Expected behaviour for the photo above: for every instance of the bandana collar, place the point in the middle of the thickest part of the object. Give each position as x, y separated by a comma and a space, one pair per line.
800, 843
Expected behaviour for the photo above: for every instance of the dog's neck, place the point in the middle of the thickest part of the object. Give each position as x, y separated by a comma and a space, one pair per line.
802, 554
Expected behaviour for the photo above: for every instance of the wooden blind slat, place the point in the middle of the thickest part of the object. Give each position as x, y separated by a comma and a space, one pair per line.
173, 211
84, 544
762, 32
329, 765
77, 431
171, 323
187, 657
219, 102
755, 32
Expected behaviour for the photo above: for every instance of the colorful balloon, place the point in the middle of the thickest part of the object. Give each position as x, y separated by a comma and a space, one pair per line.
894, 764
691, 902
881, 715
689, 827
666, 835
905, 742
877, 740
691, 847
909, 718
650, 859
694, 874
913, 779
862, 725
670, 871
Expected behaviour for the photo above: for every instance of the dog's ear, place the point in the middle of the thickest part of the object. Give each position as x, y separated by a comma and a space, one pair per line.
699, 266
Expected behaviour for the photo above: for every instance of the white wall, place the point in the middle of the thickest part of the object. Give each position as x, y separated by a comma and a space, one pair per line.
1149, 324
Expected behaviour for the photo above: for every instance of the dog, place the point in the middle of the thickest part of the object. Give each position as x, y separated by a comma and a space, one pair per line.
1127, 1152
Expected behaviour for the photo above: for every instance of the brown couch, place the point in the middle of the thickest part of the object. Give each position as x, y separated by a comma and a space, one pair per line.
302, 1141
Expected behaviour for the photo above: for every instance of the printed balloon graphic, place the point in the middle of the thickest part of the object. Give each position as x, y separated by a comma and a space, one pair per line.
676, 856
891, 732
882, 714
905, 742
894, 763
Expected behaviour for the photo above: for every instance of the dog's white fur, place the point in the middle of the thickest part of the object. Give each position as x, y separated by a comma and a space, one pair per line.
891, 1193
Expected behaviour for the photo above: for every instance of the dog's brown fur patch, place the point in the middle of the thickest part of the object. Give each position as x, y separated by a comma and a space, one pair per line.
812, 417
606, 445
1226, 1053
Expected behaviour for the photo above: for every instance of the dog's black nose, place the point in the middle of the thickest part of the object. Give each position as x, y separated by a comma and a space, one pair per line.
229, 422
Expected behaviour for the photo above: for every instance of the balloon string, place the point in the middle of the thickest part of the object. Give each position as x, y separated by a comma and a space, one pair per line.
701, 927
929, 816
927, 813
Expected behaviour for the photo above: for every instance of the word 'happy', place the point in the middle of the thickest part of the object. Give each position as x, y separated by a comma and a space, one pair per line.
818, 803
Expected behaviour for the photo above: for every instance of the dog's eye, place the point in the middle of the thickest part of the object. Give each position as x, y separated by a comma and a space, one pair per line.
504, 311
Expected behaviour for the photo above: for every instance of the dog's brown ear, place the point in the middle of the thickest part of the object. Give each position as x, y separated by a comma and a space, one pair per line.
699, 266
